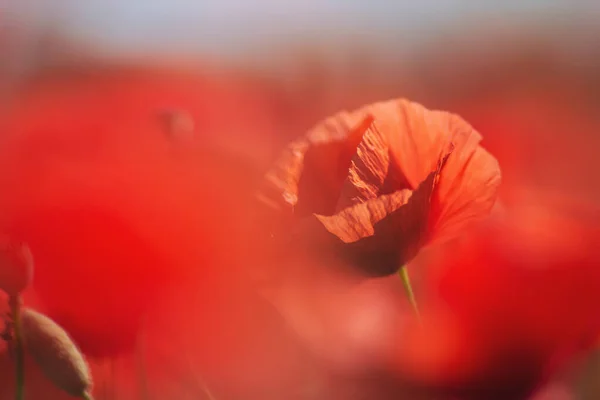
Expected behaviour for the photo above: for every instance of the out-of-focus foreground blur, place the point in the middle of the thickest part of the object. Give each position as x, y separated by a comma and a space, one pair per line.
134, 135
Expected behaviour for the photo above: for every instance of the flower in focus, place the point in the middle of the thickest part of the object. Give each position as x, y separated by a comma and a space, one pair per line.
510, 305
378, 183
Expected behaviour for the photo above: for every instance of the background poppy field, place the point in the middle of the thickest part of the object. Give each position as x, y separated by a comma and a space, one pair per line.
132, 174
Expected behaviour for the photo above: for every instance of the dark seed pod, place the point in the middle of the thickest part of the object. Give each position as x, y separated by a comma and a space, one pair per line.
16, 266
56, 354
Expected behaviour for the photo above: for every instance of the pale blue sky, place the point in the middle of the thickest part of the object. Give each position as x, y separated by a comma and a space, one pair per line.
228, 26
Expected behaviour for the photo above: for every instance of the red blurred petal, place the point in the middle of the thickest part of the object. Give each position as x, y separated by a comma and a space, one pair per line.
116, 210
517, 300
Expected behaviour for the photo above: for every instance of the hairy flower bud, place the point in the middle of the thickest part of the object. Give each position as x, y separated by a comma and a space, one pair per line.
55, 353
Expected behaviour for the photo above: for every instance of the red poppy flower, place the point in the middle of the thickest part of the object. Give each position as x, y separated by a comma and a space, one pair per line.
380, 182
114, 207
511, 305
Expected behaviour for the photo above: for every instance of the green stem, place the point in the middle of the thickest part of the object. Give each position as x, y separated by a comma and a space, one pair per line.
86, 396
141, 365
207, 392
112, 381
15, 307
200, 382
403, 272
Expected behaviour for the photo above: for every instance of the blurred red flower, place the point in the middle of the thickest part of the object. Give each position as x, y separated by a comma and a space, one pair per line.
512, 304
380, 182
117, 202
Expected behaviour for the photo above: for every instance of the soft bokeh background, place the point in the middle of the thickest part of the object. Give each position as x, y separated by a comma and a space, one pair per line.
501, 63
252, 74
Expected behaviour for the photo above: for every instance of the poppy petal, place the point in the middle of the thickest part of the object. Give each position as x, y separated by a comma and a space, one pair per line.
368, 168
384, 233
467, 191
418, 137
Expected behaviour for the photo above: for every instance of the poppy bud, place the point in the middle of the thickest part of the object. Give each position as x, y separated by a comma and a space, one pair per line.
55, 353
179, 125
16, 266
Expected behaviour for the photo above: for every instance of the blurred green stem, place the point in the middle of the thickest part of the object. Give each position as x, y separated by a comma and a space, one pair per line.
141, 366
113, 377
200, 382
403, 272
15, 308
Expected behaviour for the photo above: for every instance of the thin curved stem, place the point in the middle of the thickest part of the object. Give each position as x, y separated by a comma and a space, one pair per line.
113, 376
140, 355
15, 307
409, 291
